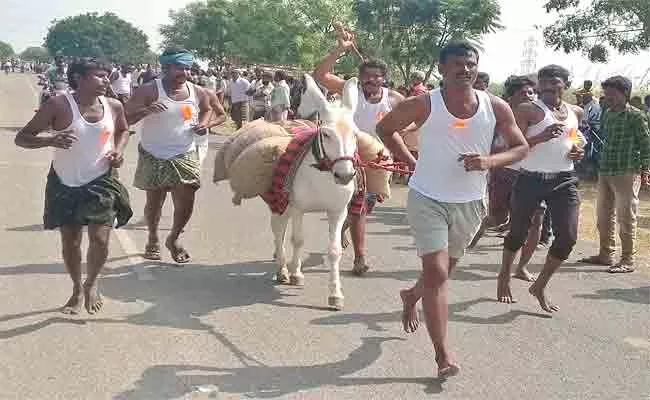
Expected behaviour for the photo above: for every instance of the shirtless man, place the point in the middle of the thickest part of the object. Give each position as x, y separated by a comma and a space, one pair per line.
375, 101
546, 175
172, 111
445, 203
89, 140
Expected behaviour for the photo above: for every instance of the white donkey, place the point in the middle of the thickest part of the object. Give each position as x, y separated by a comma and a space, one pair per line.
315, 190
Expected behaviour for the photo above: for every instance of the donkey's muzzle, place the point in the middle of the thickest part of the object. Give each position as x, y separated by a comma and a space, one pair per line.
344, 179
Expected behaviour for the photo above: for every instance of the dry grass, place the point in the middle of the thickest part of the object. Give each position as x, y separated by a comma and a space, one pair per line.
588, 231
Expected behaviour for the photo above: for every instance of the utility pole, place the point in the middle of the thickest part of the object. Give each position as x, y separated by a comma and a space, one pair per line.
529, 56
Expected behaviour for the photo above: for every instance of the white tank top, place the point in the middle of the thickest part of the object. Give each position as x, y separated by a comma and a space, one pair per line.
551, 156
169, 133
439, 174
85, 160
122, 85
367, 115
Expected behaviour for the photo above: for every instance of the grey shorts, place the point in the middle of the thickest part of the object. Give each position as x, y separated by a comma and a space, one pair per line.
438, 225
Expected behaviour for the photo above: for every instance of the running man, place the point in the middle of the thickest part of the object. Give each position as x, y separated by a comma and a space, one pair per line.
457, 125
172, 110
81, 190
546, 175
121, 83
375, 101
518, 90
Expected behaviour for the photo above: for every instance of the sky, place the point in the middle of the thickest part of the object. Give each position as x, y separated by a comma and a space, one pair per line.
21, 27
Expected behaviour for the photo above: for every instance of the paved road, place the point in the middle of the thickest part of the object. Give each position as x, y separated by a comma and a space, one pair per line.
220, 327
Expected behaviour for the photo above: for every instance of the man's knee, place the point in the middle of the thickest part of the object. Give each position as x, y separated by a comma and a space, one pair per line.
98, 235
514, 241
562, 247
435, 271
71, 237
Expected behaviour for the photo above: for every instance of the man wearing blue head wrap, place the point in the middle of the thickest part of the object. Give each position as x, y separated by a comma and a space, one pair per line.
172, 111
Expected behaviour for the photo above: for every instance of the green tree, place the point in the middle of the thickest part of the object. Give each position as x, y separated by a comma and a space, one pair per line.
623, 25
203, 28
92, 35
411, 33
256, 31
285, 32
6, 50
36, 54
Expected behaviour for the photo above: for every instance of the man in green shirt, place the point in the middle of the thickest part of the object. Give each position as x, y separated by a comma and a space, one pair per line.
624, 165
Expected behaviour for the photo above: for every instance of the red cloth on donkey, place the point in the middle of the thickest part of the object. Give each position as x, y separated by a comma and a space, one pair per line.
284, 171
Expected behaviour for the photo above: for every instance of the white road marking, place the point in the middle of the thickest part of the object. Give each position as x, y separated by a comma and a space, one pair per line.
30, 83
639, 343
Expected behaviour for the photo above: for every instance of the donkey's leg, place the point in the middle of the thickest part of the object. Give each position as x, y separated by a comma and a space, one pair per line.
334, 254
298, 241
279, 225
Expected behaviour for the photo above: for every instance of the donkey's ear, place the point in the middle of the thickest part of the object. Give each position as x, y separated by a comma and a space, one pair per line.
313, 90
351, 94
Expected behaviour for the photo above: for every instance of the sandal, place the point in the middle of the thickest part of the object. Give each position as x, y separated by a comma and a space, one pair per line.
596, 260
152, 252
181, 256
620, 269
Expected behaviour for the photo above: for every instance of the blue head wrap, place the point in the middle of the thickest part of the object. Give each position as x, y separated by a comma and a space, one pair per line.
184, 59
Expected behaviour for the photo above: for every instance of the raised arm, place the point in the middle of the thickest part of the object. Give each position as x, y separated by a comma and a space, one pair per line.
414, 110
322, 73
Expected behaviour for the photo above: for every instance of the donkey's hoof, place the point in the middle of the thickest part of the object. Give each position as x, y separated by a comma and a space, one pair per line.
335, 303
297, 280
282, 278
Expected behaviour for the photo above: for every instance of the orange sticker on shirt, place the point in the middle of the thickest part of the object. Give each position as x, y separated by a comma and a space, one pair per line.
459, 124
573, 135
380, 115
104, 135
186, 111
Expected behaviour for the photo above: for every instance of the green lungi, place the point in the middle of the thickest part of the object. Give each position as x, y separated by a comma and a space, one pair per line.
102, 201
154, 173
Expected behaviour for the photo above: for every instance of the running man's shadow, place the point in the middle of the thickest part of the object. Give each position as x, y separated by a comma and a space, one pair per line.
373, 321
175, 297
640, 295
260, 381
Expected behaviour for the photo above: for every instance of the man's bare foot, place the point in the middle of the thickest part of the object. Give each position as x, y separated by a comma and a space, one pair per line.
179, 254
360, 267
504, 294
544, 301
73, 306
446, 368
410, 320
93, 301
524, 275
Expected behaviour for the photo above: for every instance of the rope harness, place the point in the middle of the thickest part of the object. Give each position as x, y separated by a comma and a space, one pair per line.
325, 163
